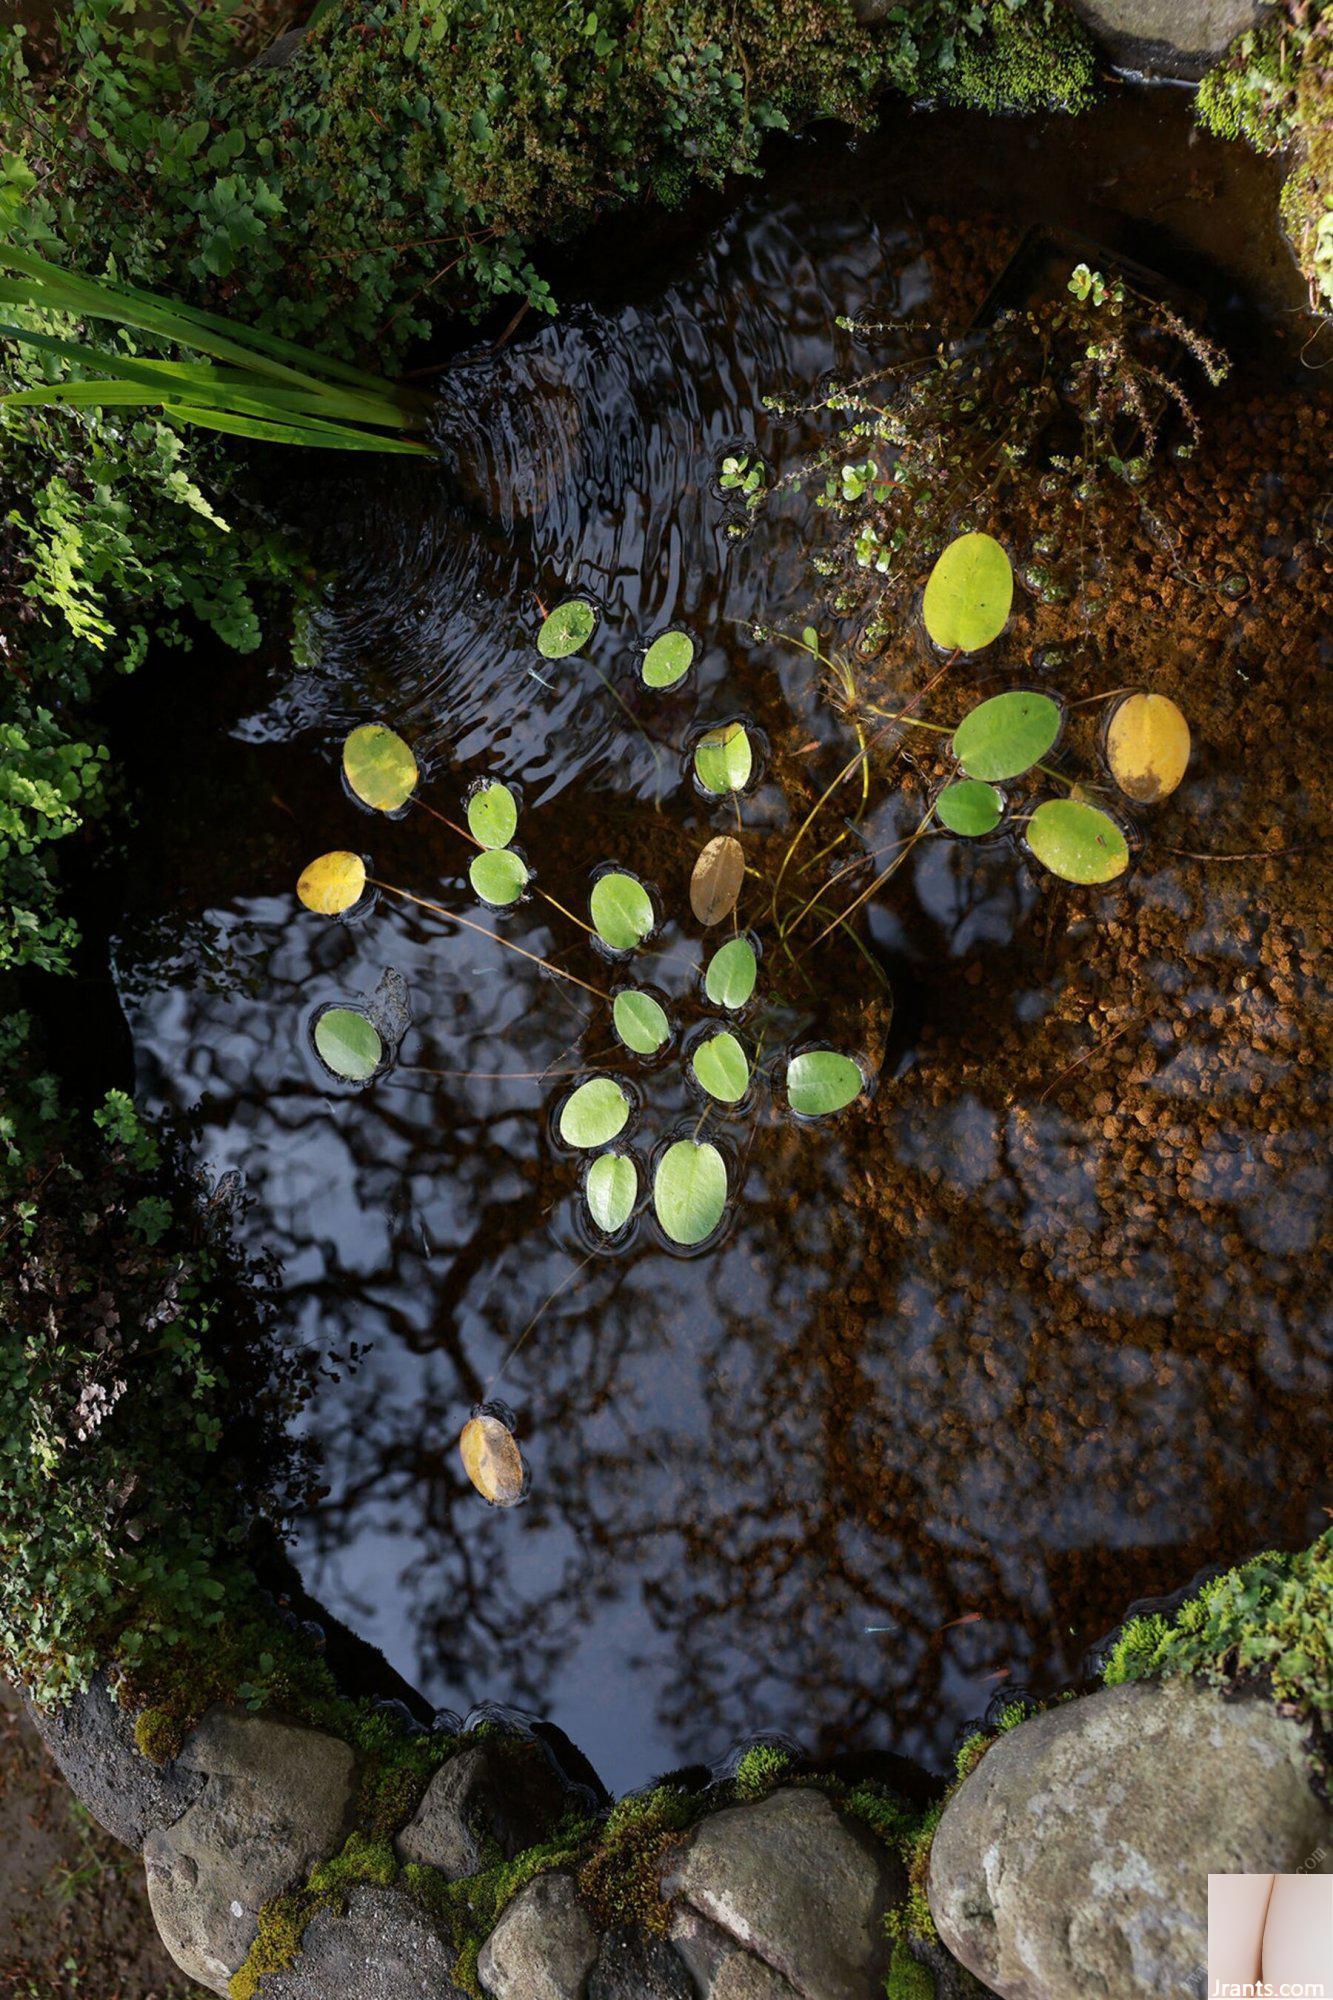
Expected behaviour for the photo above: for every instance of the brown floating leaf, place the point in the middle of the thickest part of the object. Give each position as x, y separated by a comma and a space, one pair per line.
717, 878
493, 1461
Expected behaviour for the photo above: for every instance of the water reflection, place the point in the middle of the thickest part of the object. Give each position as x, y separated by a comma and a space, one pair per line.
970, 1367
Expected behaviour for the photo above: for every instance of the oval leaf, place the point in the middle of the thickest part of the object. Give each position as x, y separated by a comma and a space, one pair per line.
567, 628
593, 1114
622, 910
822, 1081
969, 807
379, 767
498, 876
690, 1191
492, 815
1007, 735
1147, 747
348, 1043
968, 594
721, 1067
1077, 842
668, 659
717, 878
732, 971
723, 759
640, 1021
332, 883
611, 1190
493, 1461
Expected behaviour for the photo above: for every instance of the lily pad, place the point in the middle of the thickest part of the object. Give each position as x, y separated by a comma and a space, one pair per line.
332, 883
969, 594
498, 876
1077, 842
493, 1461
715, 883
724, 759
1007, 735
822, 1081
348, 1043
721, 1067
492, 815
593, 1114
970, 807
690, 1191
611, 1190
731, 975
567, 629
668, 659
622, 910
1147, 746
640, 1021
379, 767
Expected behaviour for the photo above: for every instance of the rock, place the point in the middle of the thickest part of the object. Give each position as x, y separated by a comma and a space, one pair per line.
1175, 38
633, 1966
799, 1884
1073, 1863
381, 1948
718, 1964
507, 1792
543, 1947
273, 1801
92, 1740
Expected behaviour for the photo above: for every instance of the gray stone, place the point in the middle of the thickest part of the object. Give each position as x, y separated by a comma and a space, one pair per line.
543, 1947
92, 1740
717, 1963
1170, 38
633, 1966
1073, 1863
273, 1802
511, 1795
741, 1977
795, 1881
381, 1948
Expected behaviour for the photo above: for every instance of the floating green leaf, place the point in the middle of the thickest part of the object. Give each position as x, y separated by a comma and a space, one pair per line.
379, 767
970, 807
332, 883
968, 594
622, 910
1007, 735
732, 971
611, 1190
566, 629
498, 875
1077, 842
668, 659
594, 1113
721, 1067
639, 1021
821, 1081
690, 1191
348, 1043
724, 759
492, 815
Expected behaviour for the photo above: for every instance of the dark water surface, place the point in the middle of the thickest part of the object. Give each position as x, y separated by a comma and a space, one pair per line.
740, 1461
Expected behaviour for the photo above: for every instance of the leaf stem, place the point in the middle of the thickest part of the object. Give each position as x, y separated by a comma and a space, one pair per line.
424, 903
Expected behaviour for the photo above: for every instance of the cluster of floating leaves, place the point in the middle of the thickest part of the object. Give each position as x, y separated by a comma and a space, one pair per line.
1146, 742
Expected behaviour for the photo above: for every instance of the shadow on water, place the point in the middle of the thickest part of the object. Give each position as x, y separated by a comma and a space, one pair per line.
917, 1389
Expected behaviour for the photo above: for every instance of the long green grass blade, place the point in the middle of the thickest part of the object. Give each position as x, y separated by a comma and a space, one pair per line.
330, 436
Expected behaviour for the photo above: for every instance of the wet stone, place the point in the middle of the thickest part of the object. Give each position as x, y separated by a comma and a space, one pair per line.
507, 1794
92, 1740
543, 1947
633, 1966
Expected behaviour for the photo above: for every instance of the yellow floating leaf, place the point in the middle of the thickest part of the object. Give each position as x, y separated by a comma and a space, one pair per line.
379, 767
493, 1461
1147, 747
332, 882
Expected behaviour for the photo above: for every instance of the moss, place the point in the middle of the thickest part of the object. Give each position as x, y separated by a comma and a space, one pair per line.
282, 1925
1026, 61
1268, 1622
621, 1880
762, 1767
907, 1980
157, 1735
466, 1911
362, 1859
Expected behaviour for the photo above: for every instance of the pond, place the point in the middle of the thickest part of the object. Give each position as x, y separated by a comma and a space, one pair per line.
1034, 1332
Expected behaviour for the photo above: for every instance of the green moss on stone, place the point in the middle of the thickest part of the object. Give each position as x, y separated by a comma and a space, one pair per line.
907, 1980
1024, 61
621, 1880
282, 1925
762, 1767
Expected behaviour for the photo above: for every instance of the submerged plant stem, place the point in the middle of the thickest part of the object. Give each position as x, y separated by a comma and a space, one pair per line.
472, 841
